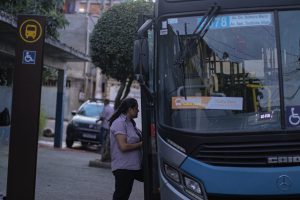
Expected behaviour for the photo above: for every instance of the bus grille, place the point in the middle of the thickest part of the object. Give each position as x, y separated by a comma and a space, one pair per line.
249, 154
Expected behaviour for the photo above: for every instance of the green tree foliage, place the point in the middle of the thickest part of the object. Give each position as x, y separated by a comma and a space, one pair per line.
112, 42
52, 9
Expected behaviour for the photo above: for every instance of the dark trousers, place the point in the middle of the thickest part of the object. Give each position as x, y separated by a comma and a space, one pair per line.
105, 149
103, 134
124, 181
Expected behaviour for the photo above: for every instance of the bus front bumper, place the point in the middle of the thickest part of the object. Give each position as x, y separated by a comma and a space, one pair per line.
243, 181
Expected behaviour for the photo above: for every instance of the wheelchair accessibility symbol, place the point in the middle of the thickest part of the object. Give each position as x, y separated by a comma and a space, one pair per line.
293, 117
29, 57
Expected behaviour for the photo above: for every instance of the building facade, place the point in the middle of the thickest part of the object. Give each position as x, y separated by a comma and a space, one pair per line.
86, 81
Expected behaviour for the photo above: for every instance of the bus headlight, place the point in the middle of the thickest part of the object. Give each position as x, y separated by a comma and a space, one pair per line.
184, 182
192, 185
172, 173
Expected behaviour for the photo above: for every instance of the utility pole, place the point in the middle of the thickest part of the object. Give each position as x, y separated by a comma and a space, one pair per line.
86, 64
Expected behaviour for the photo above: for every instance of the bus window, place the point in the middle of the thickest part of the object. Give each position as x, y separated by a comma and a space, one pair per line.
290, 51
230, 64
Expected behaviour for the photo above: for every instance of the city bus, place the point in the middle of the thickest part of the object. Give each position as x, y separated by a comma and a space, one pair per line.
221, 86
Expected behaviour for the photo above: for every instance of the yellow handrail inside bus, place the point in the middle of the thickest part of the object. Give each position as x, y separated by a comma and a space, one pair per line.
253, 88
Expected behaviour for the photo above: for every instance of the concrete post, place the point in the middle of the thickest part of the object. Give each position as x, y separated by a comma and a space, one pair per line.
59, 118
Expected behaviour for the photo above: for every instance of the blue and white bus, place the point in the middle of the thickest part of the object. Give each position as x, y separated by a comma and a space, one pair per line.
225, 89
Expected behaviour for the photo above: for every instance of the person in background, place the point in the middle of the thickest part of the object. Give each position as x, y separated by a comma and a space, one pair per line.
104, 130
126, 148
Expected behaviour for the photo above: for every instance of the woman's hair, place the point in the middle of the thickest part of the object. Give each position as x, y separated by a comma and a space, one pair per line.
123, 108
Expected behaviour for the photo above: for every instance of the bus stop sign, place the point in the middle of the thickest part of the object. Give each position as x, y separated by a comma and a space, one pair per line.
25, 107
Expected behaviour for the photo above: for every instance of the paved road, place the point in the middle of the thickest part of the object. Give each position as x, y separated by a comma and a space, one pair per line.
64, 174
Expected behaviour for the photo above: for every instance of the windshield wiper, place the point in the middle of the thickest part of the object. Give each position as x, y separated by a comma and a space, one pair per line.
204, 25
206, 21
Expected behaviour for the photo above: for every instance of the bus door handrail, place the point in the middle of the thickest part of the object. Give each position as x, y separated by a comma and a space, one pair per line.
253, 88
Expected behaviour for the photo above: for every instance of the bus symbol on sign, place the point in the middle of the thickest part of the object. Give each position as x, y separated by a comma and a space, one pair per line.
30, 31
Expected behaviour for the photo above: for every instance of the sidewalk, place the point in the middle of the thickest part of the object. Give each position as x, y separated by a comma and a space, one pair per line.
49, 140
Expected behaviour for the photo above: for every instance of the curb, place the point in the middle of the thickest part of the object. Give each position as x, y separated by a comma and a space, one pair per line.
98, 163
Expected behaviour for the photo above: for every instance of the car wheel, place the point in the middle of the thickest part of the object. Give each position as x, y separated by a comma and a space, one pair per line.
84, 144
69, 138
69, 143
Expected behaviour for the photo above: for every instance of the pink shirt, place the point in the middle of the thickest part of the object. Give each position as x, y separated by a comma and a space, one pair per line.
124, 160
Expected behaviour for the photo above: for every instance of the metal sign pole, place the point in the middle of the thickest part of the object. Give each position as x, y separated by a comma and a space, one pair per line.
25, 108
59, 118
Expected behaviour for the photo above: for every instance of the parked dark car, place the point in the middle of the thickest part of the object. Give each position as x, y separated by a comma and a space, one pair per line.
83, 126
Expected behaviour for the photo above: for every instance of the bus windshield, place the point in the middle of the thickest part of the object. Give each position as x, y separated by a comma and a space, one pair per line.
226, 81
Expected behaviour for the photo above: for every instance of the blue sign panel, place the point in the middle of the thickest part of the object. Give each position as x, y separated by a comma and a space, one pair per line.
292, 116
29, 57
234, 21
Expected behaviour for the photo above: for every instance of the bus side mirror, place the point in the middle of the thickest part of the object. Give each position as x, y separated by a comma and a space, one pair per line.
144, 28
141, 57
141, 64
4, 118
141, 51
